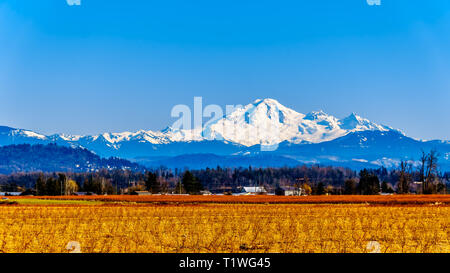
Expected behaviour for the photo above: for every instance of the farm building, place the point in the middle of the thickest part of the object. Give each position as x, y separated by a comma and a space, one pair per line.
253, 190
288, 191
10, 193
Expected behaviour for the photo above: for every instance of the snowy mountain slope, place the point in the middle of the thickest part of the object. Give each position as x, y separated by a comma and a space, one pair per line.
10, 135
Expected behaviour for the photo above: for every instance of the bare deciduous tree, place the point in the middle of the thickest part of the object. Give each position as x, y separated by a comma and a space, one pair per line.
405, 177
429, 171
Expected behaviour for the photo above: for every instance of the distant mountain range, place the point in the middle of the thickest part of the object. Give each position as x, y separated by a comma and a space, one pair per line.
241, 138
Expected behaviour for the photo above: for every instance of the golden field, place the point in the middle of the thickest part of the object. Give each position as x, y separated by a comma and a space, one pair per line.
256, 199
142, 227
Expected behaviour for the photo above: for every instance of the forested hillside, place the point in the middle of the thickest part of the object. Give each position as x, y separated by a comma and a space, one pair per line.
54, 158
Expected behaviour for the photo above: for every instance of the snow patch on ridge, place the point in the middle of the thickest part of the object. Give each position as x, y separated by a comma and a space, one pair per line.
33, 134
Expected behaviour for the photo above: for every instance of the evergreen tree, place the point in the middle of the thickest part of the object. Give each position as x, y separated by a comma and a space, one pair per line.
190, 183
320, 189
368, 183
350, 187
87, 185
40, 185
52, 187
152, 183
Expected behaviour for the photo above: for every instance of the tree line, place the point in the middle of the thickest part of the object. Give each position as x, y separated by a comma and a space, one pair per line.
423, 177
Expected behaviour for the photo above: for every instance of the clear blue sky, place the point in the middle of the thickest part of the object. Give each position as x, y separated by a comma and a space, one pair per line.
109, 66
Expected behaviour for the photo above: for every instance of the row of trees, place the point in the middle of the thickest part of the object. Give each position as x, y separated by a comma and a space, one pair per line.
429, 179
368, 184
425, 179
63, 185
189, 184
56, 186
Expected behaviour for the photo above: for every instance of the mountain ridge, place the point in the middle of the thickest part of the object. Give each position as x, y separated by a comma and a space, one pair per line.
238, 127
311, 137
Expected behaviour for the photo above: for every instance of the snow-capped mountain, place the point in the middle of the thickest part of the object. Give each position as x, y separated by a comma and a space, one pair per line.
243, 132
261, 122
268, 122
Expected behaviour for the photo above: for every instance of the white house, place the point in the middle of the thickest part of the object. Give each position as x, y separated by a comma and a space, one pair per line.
253, 190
